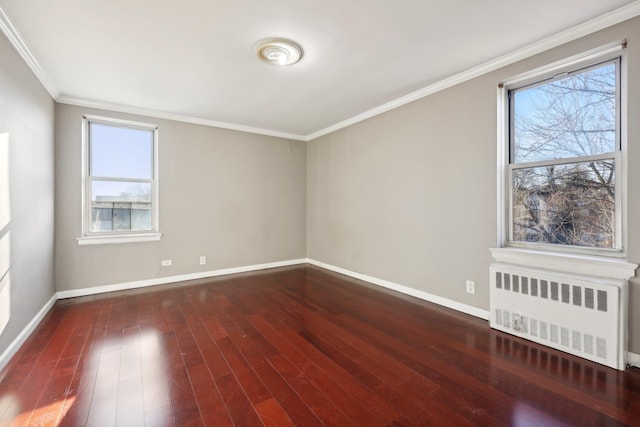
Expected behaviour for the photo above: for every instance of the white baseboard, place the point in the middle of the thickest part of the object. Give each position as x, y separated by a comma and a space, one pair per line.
633, 359
20, 339
445, 302
13, 348
172, 279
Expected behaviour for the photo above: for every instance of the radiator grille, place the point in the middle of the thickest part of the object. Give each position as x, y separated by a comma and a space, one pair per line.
576, 340
571, 313
553, 290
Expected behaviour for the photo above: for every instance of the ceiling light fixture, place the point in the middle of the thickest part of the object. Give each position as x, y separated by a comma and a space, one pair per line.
279, 51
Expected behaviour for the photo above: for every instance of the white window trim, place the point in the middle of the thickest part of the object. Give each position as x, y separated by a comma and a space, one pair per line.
98, 238
601, 54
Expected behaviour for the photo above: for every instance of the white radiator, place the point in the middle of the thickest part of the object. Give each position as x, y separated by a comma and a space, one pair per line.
582, 315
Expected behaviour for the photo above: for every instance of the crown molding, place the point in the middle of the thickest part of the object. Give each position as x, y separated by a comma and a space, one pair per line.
20, 46
81, 102
608, 19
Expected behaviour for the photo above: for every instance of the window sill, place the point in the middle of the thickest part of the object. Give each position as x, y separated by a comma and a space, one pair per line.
120, 238
590, 265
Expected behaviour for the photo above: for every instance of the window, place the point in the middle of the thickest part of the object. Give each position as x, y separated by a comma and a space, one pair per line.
120, 181
563, 157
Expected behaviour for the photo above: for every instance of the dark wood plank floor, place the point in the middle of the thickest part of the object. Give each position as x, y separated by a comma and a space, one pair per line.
295, 346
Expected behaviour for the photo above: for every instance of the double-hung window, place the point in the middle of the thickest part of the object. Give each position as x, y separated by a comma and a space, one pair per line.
120, 182
563, 183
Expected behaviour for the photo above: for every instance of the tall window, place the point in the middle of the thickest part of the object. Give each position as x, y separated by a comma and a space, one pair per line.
564, 158
120, 182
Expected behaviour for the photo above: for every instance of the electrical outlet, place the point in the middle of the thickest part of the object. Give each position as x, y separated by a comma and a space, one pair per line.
471, 287
167, 263
203, 260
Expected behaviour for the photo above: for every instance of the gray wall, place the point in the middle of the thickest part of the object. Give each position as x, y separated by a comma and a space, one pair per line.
379, 197
26, 195
410, 196
237, 198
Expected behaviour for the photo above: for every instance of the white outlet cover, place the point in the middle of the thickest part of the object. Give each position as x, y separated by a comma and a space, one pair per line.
471, 287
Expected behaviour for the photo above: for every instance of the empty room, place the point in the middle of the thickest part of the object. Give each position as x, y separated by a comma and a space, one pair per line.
245, 213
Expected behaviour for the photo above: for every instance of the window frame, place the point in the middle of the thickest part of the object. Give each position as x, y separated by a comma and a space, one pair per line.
117, 236
560, 69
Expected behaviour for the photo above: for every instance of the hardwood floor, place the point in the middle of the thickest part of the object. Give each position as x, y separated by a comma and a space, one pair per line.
295, 346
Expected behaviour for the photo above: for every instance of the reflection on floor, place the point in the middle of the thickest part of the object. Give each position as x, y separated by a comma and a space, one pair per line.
295, 346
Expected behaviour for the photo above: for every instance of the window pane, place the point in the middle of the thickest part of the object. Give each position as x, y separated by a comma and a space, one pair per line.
120, 206
571, 204
119, 152
570, 117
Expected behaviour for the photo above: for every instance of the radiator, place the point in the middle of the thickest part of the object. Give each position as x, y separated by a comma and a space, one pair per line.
581, 315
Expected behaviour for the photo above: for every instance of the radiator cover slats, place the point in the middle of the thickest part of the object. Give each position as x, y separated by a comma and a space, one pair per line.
581, 315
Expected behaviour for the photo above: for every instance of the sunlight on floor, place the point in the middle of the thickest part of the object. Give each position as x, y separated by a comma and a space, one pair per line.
9, 408
49, 415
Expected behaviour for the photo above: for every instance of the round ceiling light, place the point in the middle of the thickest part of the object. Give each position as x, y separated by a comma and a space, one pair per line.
279, 52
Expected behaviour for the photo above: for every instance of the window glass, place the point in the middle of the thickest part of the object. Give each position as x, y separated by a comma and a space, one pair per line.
120, 186
568, 204
120, 152
569, 117
564, 139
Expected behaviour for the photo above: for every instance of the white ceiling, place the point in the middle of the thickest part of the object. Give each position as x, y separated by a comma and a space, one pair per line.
195, 59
